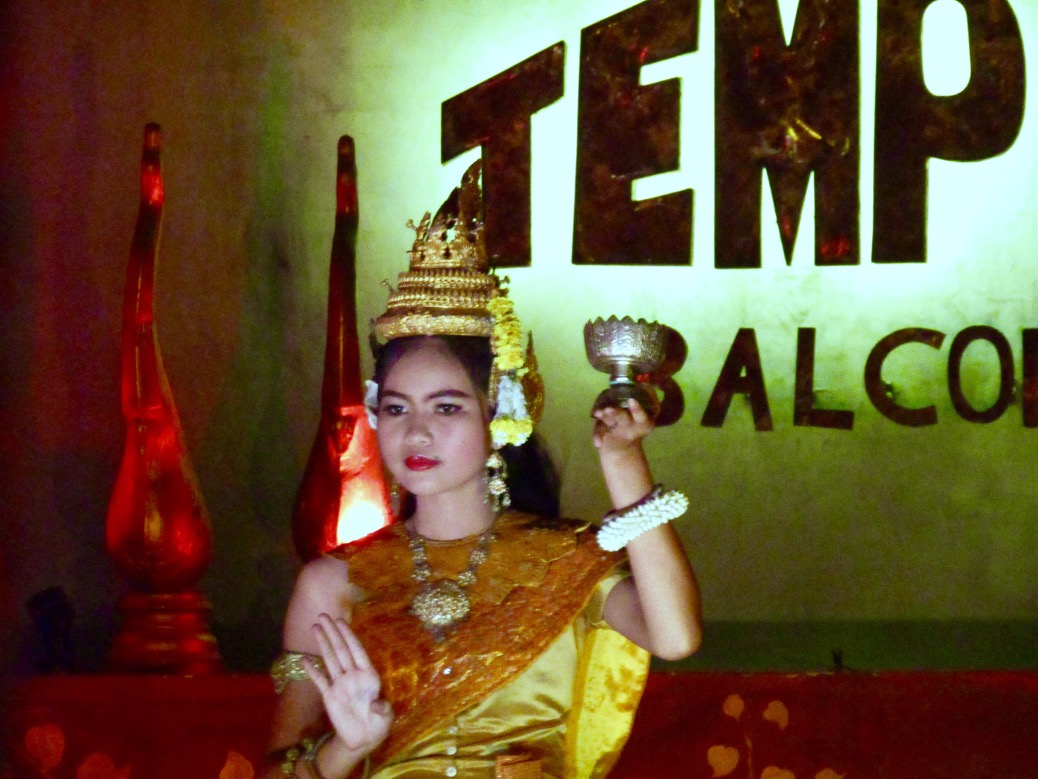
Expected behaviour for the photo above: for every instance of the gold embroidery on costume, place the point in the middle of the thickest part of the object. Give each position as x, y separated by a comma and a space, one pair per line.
517, 767
537, 579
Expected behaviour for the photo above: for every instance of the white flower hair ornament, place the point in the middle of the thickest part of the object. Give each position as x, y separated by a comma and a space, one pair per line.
371, 403
515, 385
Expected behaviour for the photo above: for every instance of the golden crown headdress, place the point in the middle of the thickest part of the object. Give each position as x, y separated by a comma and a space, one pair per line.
447, 287
449, 290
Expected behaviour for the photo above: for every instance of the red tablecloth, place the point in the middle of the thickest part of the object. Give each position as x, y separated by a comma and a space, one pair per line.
690, 725
824, 726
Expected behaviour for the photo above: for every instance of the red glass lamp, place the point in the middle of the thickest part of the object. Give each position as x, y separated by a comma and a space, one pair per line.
157, 530
342, 496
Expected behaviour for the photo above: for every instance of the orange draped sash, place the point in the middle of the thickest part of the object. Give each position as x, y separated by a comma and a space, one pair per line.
538, 577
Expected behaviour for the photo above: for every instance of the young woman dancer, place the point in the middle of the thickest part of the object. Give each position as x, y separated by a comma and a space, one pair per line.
471, 638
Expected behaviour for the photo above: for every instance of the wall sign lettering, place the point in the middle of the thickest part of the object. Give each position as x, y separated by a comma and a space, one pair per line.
788, 109
743, 374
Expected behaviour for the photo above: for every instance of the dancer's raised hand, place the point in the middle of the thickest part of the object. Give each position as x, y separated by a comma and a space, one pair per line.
350, 686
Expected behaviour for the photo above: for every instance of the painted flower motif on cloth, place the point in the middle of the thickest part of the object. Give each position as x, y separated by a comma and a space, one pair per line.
44, 747
734, 706
725, 758
45, 744
778, 713
237, 767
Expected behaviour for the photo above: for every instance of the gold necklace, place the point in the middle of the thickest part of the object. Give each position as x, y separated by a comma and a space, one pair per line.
440, 605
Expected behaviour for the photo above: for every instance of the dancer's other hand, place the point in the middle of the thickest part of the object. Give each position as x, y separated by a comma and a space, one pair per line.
618, 428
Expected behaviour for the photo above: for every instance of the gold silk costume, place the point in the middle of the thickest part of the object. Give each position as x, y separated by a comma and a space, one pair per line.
514, 663
532, 669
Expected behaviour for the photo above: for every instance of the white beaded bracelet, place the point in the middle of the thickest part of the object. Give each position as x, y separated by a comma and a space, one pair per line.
625, 524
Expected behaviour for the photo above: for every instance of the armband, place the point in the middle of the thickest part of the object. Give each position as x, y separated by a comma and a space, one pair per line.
288, 667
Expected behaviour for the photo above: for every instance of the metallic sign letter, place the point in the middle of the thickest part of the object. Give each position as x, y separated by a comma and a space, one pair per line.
496, 114
793, 111
627, 131
741, 373
1030, 391
881, 394
913, 125
804, 411
1005, 363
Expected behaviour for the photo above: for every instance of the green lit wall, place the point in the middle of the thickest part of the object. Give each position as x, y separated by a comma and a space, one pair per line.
825, 532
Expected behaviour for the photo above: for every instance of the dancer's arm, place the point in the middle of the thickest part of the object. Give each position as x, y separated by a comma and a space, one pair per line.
658, 607
347, 690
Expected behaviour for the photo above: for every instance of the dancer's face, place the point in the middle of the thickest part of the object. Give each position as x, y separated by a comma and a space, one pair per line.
432, 424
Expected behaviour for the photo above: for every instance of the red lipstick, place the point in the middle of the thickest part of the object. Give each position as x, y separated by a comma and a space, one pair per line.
417, 462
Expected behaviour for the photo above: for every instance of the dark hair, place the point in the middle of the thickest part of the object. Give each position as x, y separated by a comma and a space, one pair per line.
533, 480
473, 353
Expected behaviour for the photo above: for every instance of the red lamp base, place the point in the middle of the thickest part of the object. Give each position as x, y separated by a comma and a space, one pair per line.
165, 633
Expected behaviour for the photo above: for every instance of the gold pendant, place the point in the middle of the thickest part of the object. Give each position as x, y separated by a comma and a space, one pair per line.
440, 606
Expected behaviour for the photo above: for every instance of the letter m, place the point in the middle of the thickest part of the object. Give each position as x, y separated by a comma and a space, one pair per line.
791, 110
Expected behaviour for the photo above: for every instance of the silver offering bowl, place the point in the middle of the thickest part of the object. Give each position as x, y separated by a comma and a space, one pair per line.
626, 349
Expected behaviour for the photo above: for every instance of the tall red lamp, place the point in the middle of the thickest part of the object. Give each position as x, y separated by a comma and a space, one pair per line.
157, 530
342, 495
